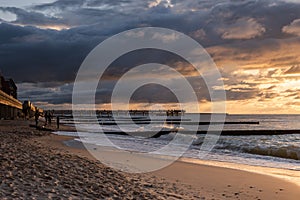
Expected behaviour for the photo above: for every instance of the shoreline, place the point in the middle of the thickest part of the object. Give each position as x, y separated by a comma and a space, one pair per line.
292, 176
254, 179
62, 171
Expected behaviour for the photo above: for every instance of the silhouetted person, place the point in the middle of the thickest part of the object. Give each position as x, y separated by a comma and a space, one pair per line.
25, 112
19, 114
46, 117
57, 122
36, 117
50, 115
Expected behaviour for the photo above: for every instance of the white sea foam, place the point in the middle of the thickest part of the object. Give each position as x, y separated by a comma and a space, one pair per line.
280, 151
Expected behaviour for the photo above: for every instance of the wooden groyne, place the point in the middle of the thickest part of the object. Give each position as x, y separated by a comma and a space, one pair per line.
252, 132
235, 132
171, 122
149, 134
10, 107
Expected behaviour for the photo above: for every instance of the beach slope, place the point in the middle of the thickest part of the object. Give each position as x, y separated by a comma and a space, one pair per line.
36, 164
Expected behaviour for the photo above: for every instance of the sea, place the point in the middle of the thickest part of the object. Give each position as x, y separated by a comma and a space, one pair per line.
275, 151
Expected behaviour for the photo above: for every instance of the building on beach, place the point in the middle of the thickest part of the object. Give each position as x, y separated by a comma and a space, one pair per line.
10, 106
8, 86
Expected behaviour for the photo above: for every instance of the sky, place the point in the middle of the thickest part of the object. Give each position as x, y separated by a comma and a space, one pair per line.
254, 43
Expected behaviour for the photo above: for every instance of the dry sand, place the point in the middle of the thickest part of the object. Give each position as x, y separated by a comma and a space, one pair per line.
38, 165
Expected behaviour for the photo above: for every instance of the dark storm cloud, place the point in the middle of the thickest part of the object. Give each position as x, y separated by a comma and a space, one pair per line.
9, 32
47, 92
65, 4
69, 4
152, 93
35, 54
87, 12
32, 18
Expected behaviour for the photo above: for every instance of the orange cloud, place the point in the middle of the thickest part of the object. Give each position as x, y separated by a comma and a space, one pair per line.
243, 28
293, 70
292, 28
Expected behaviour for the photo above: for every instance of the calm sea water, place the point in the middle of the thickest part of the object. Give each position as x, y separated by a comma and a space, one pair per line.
278, 151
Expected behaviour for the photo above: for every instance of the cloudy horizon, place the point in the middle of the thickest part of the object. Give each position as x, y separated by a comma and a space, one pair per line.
255, 45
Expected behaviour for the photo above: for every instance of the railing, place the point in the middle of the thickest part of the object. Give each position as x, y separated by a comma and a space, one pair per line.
9, 107
7, 100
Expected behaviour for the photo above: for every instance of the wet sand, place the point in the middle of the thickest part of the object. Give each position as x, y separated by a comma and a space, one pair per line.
37, 164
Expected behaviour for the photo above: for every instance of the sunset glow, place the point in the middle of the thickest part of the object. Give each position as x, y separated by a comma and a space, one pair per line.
259, 60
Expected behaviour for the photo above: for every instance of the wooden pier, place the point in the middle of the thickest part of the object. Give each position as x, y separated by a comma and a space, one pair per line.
110, 113
10, 107
141, 112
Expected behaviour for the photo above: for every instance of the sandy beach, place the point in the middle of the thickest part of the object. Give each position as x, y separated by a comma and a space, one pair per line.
38, 165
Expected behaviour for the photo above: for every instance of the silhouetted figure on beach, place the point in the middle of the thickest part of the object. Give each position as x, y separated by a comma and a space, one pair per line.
57, 122
36, 116
26, 109
19, 115
46, 115
50, 116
